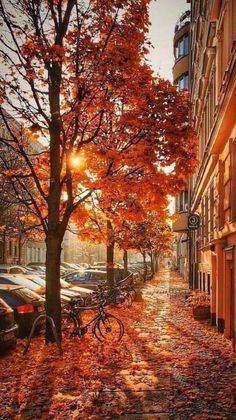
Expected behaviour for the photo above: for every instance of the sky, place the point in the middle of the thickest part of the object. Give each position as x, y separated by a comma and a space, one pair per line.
164, 15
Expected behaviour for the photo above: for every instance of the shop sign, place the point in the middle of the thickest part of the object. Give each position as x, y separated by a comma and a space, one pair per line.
193, 221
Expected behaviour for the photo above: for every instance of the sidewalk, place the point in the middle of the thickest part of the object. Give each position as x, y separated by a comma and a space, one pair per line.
167, 366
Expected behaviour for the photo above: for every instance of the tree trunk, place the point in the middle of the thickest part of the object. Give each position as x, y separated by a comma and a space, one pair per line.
156, 263
152, 262
125, 259
144, 264
110, 255
53, 298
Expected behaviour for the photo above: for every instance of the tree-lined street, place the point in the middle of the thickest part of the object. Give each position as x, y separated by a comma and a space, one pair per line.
167, 366
88, 123
117, 209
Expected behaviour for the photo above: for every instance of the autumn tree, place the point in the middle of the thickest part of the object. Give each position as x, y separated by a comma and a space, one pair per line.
129, 220
150, 236
83, 93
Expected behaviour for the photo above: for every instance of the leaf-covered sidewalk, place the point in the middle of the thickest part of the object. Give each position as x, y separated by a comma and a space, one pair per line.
167, 366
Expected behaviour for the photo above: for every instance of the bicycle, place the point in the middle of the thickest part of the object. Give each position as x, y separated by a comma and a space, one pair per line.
122, 292
105, 326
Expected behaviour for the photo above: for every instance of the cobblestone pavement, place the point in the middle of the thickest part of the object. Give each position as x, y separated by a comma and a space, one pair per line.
167, 366
181, 368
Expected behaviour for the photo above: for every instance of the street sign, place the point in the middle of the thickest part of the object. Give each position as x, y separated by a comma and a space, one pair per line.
193, 221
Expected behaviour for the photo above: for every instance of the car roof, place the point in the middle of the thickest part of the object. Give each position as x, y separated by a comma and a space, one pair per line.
19, 277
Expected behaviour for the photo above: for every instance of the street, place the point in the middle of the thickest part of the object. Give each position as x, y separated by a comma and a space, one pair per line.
167, 366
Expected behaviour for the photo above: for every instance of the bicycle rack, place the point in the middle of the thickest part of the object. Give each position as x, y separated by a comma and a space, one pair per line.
52, 325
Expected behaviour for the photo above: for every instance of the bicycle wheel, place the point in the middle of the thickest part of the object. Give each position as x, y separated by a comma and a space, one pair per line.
129, 299
68, 325
133, 294
108, 328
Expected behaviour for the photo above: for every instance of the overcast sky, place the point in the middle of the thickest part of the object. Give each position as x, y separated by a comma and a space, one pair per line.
164, 15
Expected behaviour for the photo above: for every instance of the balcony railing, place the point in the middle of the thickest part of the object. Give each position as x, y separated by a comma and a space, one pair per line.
183, 20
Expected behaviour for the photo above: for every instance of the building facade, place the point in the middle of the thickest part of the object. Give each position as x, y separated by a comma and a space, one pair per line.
16, 247
181, 45
213, 187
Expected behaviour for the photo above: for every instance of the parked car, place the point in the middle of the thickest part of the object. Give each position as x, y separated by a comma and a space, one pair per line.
13, 269
139, 267
37, 266
16, 279
67, 289
88, 278
82, 265
72, 266
26, 304
38, 269
81, 291
8, 327
22, 271
119, 273
99, 263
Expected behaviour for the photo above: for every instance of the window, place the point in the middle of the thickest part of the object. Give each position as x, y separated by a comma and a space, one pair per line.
183, 82
200, 280
204, 282
10, 298
182, 47
212, 211
203, 222
208, 283
221, 198
5, 280
206, 220
182, 202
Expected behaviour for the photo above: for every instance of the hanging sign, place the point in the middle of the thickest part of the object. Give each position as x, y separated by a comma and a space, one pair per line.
193, 221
